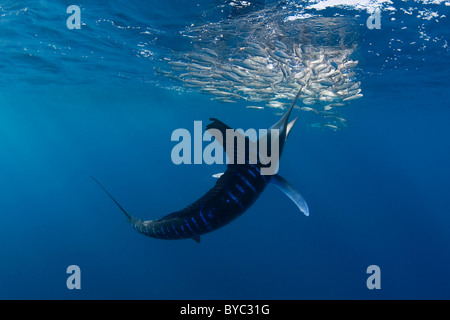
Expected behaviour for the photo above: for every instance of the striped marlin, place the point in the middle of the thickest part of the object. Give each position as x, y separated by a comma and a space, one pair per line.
234, 192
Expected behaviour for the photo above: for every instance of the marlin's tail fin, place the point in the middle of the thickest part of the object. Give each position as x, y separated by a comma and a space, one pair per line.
130, 218
282, 123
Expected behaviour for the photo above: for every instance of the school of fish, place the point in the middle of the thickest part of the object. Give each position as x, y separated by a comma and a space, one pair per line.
268, 69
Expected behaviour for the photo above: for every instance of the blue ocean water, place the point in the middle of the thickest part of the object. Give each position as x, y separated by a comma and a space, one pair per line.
82, 102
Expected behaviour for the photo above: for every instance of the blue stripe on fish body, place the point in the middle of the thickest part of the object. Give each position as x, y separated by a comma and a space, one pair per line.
249, 170
187, 225
256, 169
235, 199
175, 230
195, 222
259, 175
169, 231
244, 179
204, 221
239, 188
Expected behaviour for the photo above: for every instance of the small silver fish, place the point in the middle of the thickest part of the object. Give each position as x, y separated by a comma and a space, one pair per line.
349, 64
275, 57
356, 96
198, 66
203, 57
282, 54
336, 118
254, 45
229, 76
326, 82
254, 107
254, 52
239, 72
243, 64
210, 52
298, 52
279, 44
309, 101
331, 126
308, 109
178, 64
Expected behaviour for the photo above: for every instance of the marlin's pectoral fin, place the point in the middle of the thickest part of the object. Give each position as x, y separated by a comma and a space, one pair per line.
217, 175
291, 192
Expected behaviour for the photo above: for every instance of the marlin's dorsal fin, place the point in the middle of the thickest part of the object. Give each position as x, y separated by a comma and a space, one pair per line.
291, 192
217, 124
238, 152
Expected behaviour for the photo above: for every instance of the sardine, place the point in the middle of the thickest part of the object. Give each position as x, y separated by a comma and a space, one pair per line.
307, 91
349, 64
331, 126
254, 107
243, 64
255, 45
309, 101
298, 52
196, 82
356, 96
308, 109
198, 66
282, 54
203, 57
275, 57
341, 120
178, 64
210, 52
326, 82
254, 52
230, 76
328, 93
239, 72
276, 104
279, 44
